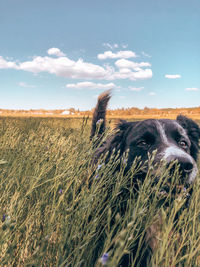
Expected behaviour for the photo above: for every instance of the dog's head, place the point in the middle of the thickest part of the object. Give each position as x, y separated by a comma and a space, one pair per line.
174, 140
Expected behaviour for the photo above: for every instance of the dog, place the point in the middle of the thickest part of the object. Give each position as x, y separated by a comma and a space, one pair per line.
173, 140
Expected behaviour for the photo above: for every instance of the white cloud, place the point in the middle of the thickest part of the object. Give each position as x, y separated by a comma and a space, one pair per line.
136, 89
120, 54
4, 64
55, 52
138, 75
23, 84
65, 67
152, 93
124, 63
172, 76
108, 45
145, 54
111, 46
126, 68
91, 85
142, 74
124, 46
192, 89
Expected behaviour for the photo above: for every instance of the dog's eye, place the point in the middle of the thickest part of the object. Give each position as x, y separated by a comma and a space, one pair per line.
183, 144
142, 143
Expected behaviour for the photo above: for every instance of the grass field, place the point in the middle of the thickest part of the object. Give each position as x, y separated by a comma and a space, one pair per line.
50, 216
194, 116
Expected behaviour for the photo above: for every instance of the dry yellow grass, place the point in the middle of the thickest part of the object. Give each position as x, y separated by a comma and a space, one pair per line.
127, 117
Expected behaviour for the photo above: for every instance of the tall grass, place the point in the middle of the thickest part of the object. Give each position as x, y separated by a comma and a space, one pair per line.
58, 210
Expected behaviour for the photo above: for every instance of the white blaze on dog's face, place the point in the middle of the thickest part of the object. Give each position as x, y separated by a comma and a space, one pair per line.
174, 150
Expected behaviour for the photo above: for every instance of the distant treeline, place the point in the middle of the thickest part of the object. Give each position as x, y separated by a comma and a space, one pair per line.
149, 111
113, 112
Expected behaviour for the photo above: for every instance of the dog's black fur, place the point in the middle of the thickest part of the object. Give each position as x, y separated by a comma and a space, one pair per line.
172, 139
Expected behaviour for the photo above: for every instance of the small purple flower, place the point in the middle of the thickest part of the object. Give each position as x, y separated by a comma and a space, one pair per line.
3, 218
99, 167
60, 191
99, 121
125, 161
104, 258
97, 176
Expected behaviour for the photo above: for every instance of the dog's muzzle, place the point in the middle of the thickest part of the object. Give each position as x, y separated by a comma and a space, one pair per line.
187, 164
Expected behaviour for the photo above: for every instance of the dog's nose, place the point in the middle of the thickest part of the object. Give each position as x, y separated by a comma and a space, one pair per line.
186, 166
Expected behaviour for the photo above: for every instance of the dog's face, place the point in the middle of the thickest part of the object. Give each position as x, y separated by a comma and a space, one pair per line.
174, 140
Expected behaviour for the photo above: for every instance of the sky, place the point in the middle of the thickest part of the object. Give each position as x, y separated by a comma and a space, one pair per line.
63, 54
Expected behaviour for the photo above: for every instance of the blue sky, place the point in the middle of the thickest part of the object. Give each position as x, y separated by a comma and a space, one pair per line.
62, 54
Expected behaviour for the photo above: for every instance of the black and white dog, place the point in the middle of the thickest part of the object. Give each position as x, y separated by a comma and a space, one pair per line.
172, 139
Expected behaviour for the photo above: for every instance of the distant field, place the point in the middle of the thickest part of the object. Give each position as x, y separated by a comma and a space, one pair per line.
50, 216
129, 117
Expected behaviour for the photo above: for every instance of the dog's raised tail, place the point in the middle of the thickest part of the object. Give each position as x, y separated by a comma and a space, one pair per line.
100, 113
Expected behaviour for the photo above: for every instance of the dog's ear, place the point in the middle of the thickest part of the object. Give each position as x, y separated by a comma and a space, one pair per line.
193, 132
118, 141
